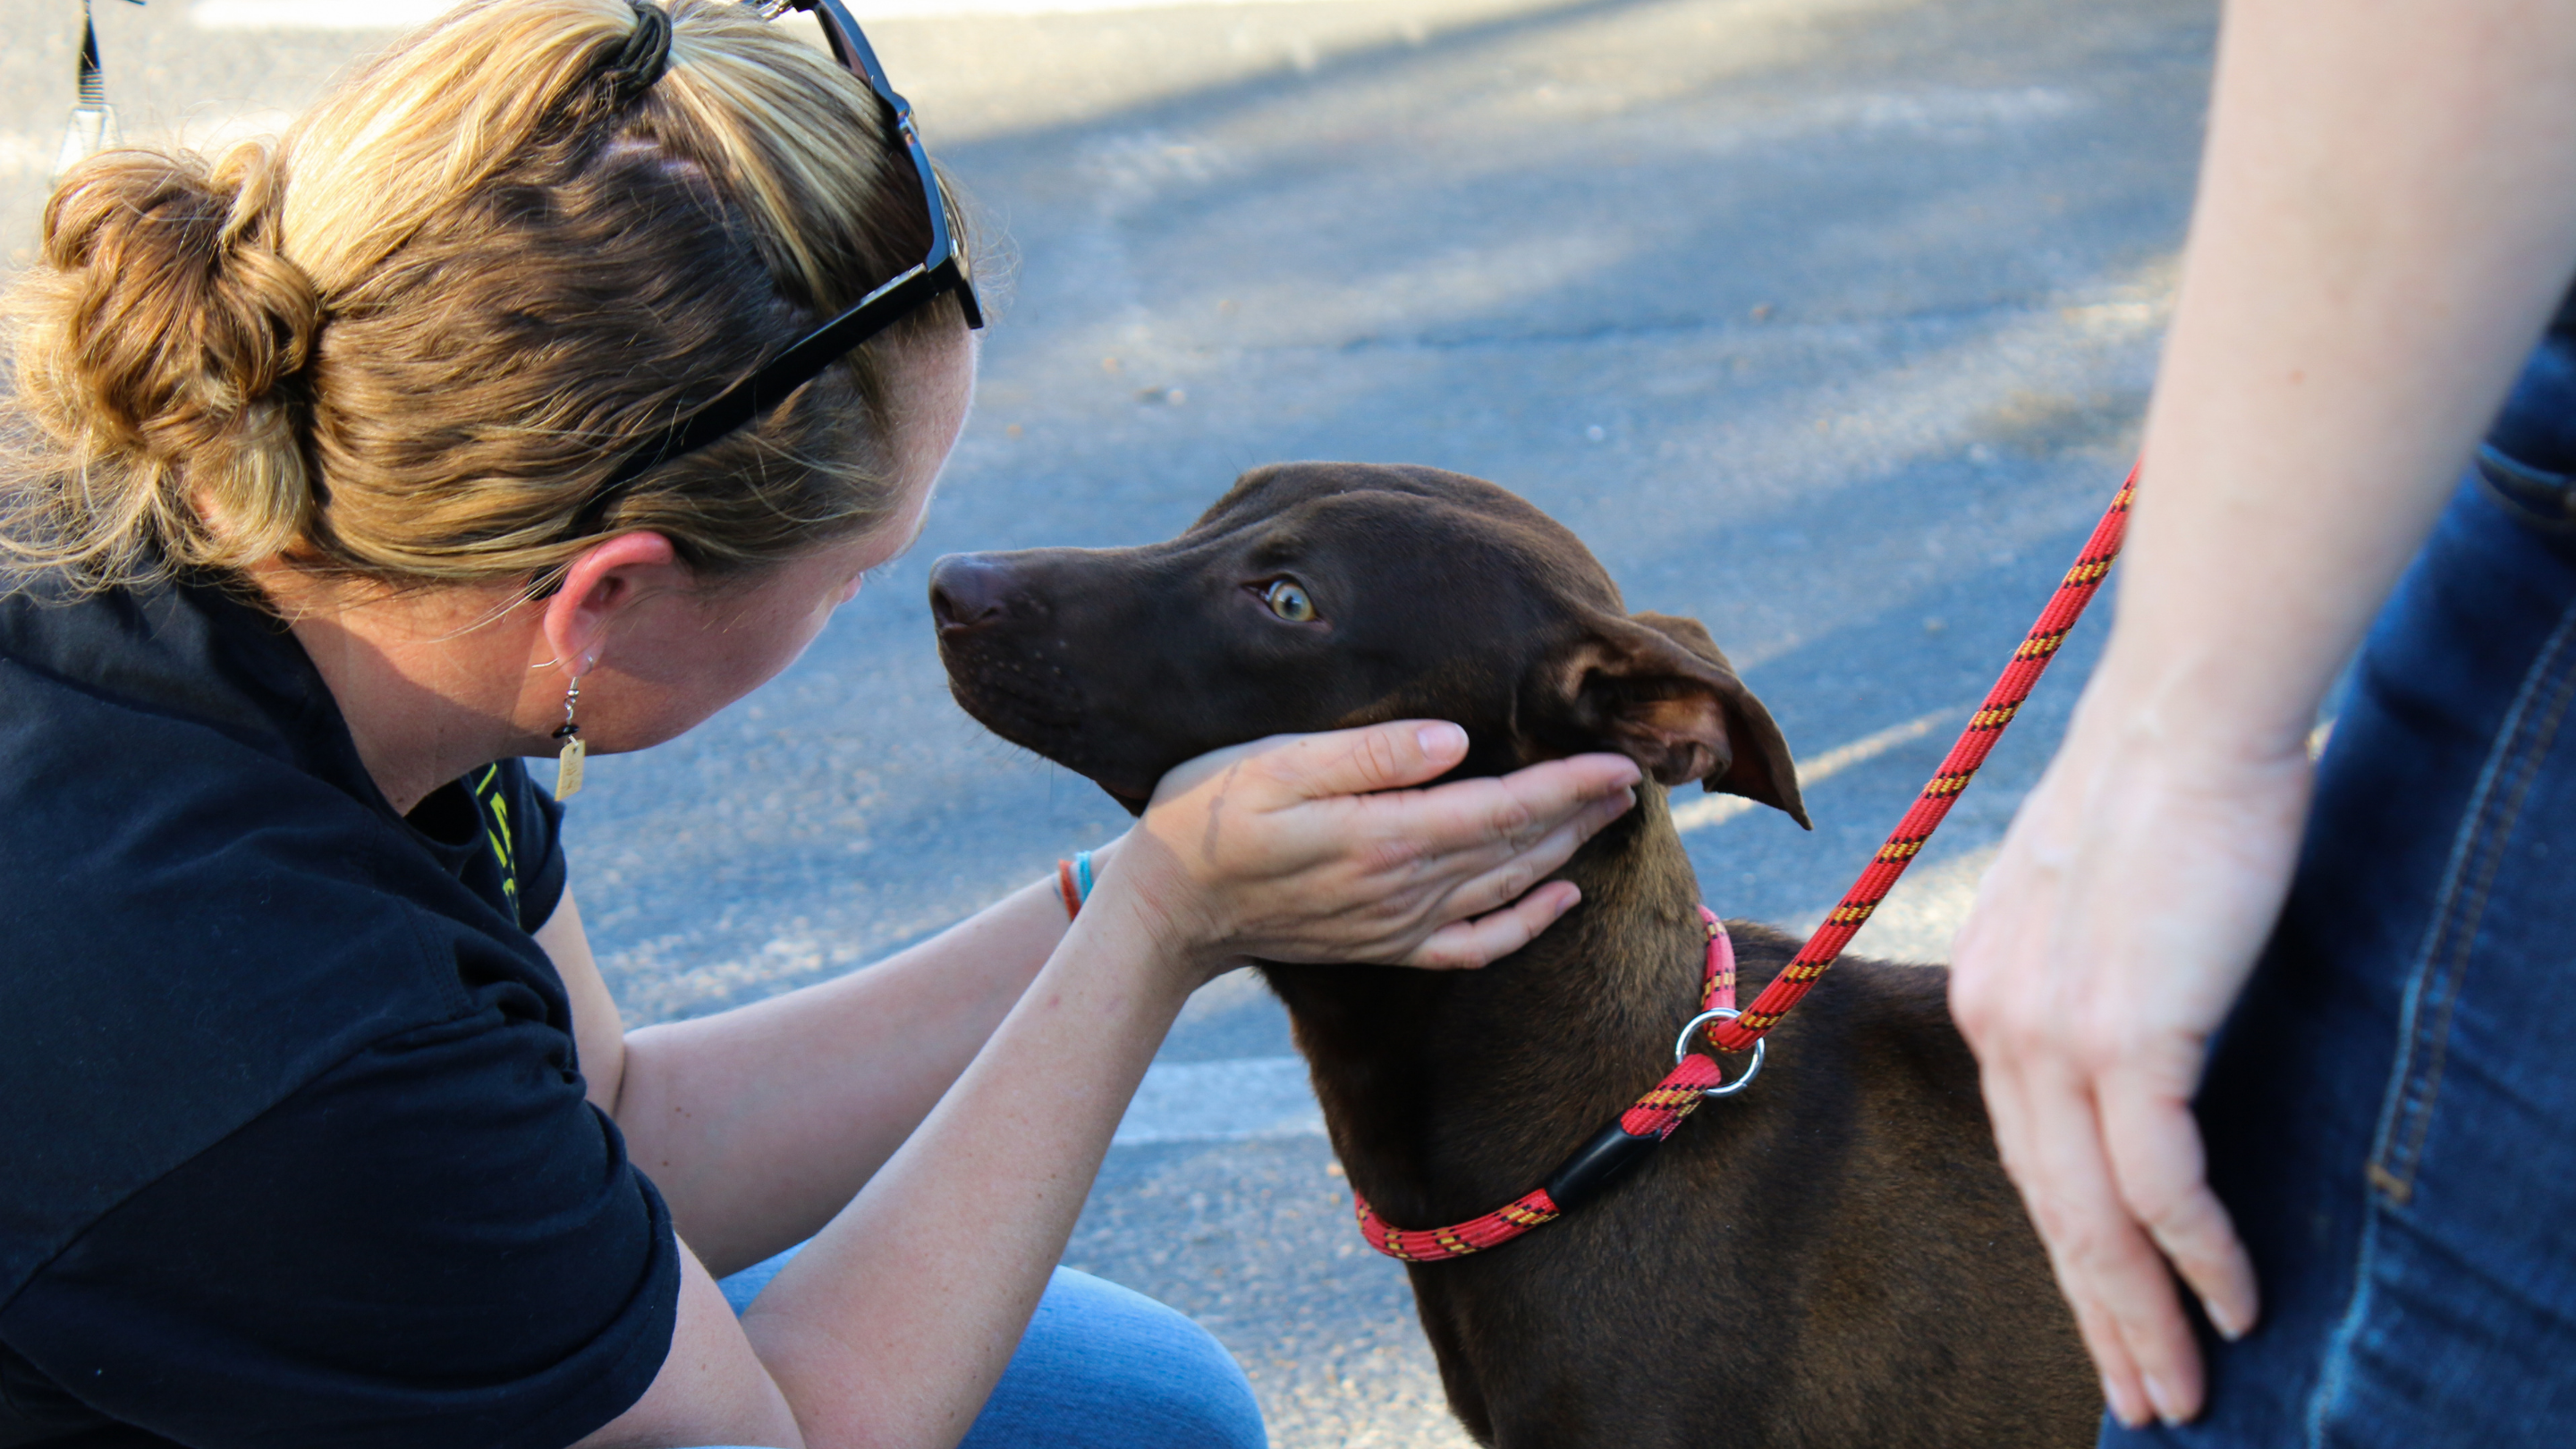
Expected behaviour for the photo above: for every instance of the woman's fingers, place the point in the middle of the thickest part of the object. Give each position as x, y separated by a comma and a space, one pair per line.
1467, 828
1356, 781
2010, 993
1328, 847
1461, 894
1372, 759
1470, 943
1469, 901
1461, 839
1490, 877
1492, 914
2029, 1163
2156, 1159
2113, 1278
1366, 760
1279, 774
2099, 1178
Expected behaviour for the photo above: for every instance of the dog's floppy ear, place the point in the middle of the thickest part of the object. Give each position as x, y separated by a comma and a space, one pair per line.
1655, 688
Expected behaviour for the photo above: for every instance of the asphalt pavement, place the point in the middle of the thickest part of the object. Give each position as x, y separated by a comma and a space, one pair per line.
1827, 322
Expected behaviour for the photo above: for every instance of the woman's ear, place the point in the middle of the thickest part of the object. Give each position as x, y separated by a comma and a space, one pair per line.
1655, 688
600, 585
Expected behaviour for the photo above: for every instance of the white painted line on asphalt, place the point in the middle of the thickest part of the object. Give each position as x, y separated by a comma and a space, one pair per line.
1228, 1101
1718, 809
404, 14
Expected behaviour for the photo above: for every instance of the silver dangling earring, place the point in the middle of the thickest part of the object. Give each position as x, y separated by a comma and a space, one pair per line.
568, 759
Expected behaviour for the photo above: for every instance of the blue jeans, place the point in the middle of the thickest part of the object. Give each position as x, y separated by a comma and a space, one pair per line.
2391, 1110
1101, 1367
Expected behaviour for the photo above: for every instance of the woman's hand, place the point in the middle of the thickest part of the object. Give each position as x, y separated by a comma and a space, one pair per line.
2108, 941
1308, 848
2368, 264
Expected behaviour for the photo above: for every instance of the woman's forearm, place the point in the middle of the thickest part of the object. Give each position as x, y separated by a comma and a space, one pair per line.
895, 1321
809, 1093
2379, 235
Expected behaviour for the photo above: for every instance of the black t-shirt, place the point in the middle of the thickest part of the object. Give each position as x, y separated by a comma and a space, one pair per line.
293, 1145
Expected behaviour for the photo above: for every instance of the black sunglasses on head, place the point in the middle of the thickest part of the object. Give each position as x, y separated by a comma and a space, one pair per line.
944, 270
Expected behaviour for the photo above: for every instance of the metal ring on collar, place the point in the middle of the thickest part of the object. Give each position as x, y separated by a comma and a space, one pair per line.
1681, 1049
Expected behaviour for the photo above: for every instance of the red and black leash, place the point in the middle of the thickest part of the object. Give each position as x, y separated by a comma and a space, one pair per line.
1697, 1077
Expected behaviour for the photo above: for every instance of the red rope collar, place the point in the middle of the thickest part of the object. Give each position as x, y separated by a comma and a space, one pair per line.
1652, 1117
1642, 1123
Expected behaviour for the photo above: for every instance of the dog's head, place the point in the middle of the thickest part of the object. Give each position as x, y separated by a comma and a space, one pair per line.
1319, 596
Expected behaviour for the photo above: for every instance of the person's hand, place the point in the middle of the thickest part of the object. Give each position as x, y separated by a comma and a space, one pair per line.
2109, 939
1310, 848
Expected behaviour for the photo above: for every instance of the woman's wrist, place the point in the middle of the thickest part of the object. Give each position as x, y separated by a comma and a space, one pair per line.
1138, 879
1121, 936
2200, 697
1078, 874
1080, 885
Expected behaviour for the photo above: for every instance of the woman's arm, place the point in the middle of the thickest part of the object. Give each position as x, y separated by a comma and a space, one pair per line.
893, 1324
2383, 222
806, 1093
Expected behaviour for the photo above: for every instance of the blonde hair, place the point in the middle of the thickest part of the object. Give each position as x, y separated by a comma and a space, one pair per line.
409, 342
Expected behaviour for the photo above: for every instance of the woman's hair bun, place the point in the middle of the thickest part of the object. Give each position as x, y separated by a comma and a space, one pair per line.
179, 317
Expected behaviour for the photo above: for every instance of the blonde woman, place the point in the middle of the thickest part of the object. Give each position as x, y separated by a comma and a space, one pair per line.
542, 391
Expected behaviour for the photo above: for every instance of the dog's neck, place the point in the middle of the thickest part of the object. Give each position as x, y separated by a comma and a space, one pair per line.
1451, 1092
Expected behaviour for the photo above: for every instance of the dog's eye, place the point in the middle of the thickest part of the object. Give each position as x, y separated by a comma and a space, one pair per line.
1288, 600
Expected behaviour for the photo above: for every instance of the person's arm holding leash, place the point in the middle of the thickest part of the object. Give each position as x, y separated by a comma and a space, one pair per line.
2379, 235
894, 1322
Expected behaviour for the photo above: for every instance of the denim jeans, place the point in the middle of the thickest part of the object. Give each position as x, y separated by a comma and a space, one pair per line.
1101, 1367
2391, 1110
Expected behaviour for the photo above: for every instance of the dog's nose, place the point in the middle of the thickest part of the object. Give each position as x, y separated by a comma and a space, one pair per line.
966, 589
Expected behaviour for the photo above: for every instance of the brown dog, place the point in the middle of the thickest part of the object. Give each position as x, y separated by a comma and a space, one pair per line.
1833, 1257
